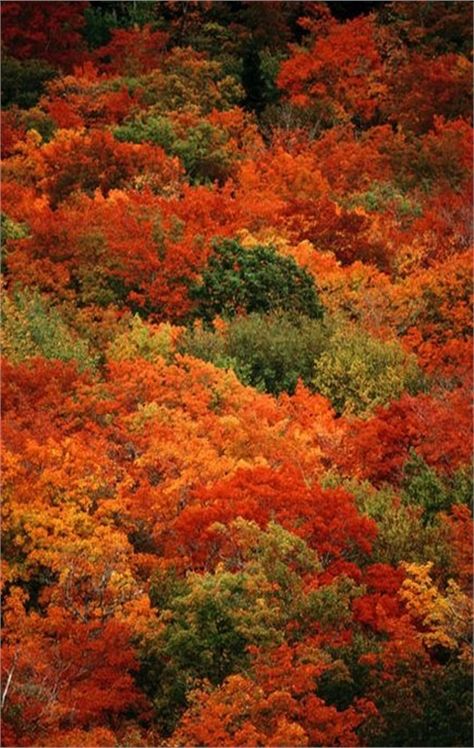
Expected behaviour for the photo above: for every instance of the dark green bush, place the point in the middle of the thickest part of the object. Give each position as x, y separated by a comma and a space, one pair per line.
155, 130
269, 352
239, 280
23, 81
273, 352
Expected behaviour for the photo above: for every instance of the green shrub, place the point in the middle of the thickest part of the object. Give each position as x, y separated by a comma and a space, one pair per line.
100, 21
273, 352
23, 81
269, 352
359, 372
31, 327
238, 280
203, 152
141, 341
384, 195
209, 619
11, 229
422, 486
206, 344
156, 130
402, 534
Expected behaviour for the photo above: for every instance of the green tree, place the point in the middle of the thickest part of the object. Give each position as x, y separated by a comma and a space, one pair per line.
358, 372
141, 341
238, 280
402, 536
269, 352
422, 486
23, 81
9, 229
155, 129
204, 151
32, 327
272, 352
208, 620
204, 154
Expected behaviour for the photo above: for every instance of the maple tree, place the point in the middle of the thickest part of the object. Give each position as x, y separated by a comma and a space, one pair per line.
341, 74
132, 51
33, 30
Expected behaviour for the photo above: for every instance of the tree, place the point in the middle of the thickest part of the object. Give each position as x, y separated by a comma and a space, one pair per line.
23, 81
256, 280
424, 487
133, 51
87, 161
32, 328
358, 372
327, 520
271, 352
340, 74
271, 709
378, 448
64, 672
252, 79
255, 529
34, 30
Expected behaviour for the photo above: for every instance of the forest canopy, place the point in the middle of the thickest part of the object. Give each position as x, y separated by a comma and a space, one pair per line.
236, 373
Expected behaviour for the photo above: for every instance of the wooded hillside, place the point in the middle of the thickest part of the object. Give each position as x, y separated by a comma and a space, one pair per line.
237, 372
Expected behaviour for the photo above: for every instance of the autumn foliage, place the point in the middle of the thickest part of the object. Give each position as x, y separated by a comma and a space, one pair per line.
237, 374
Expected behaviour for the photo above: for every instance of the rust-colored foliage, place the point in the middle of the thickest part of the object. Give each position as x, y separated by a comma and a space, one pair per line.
35, 30
439, 430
